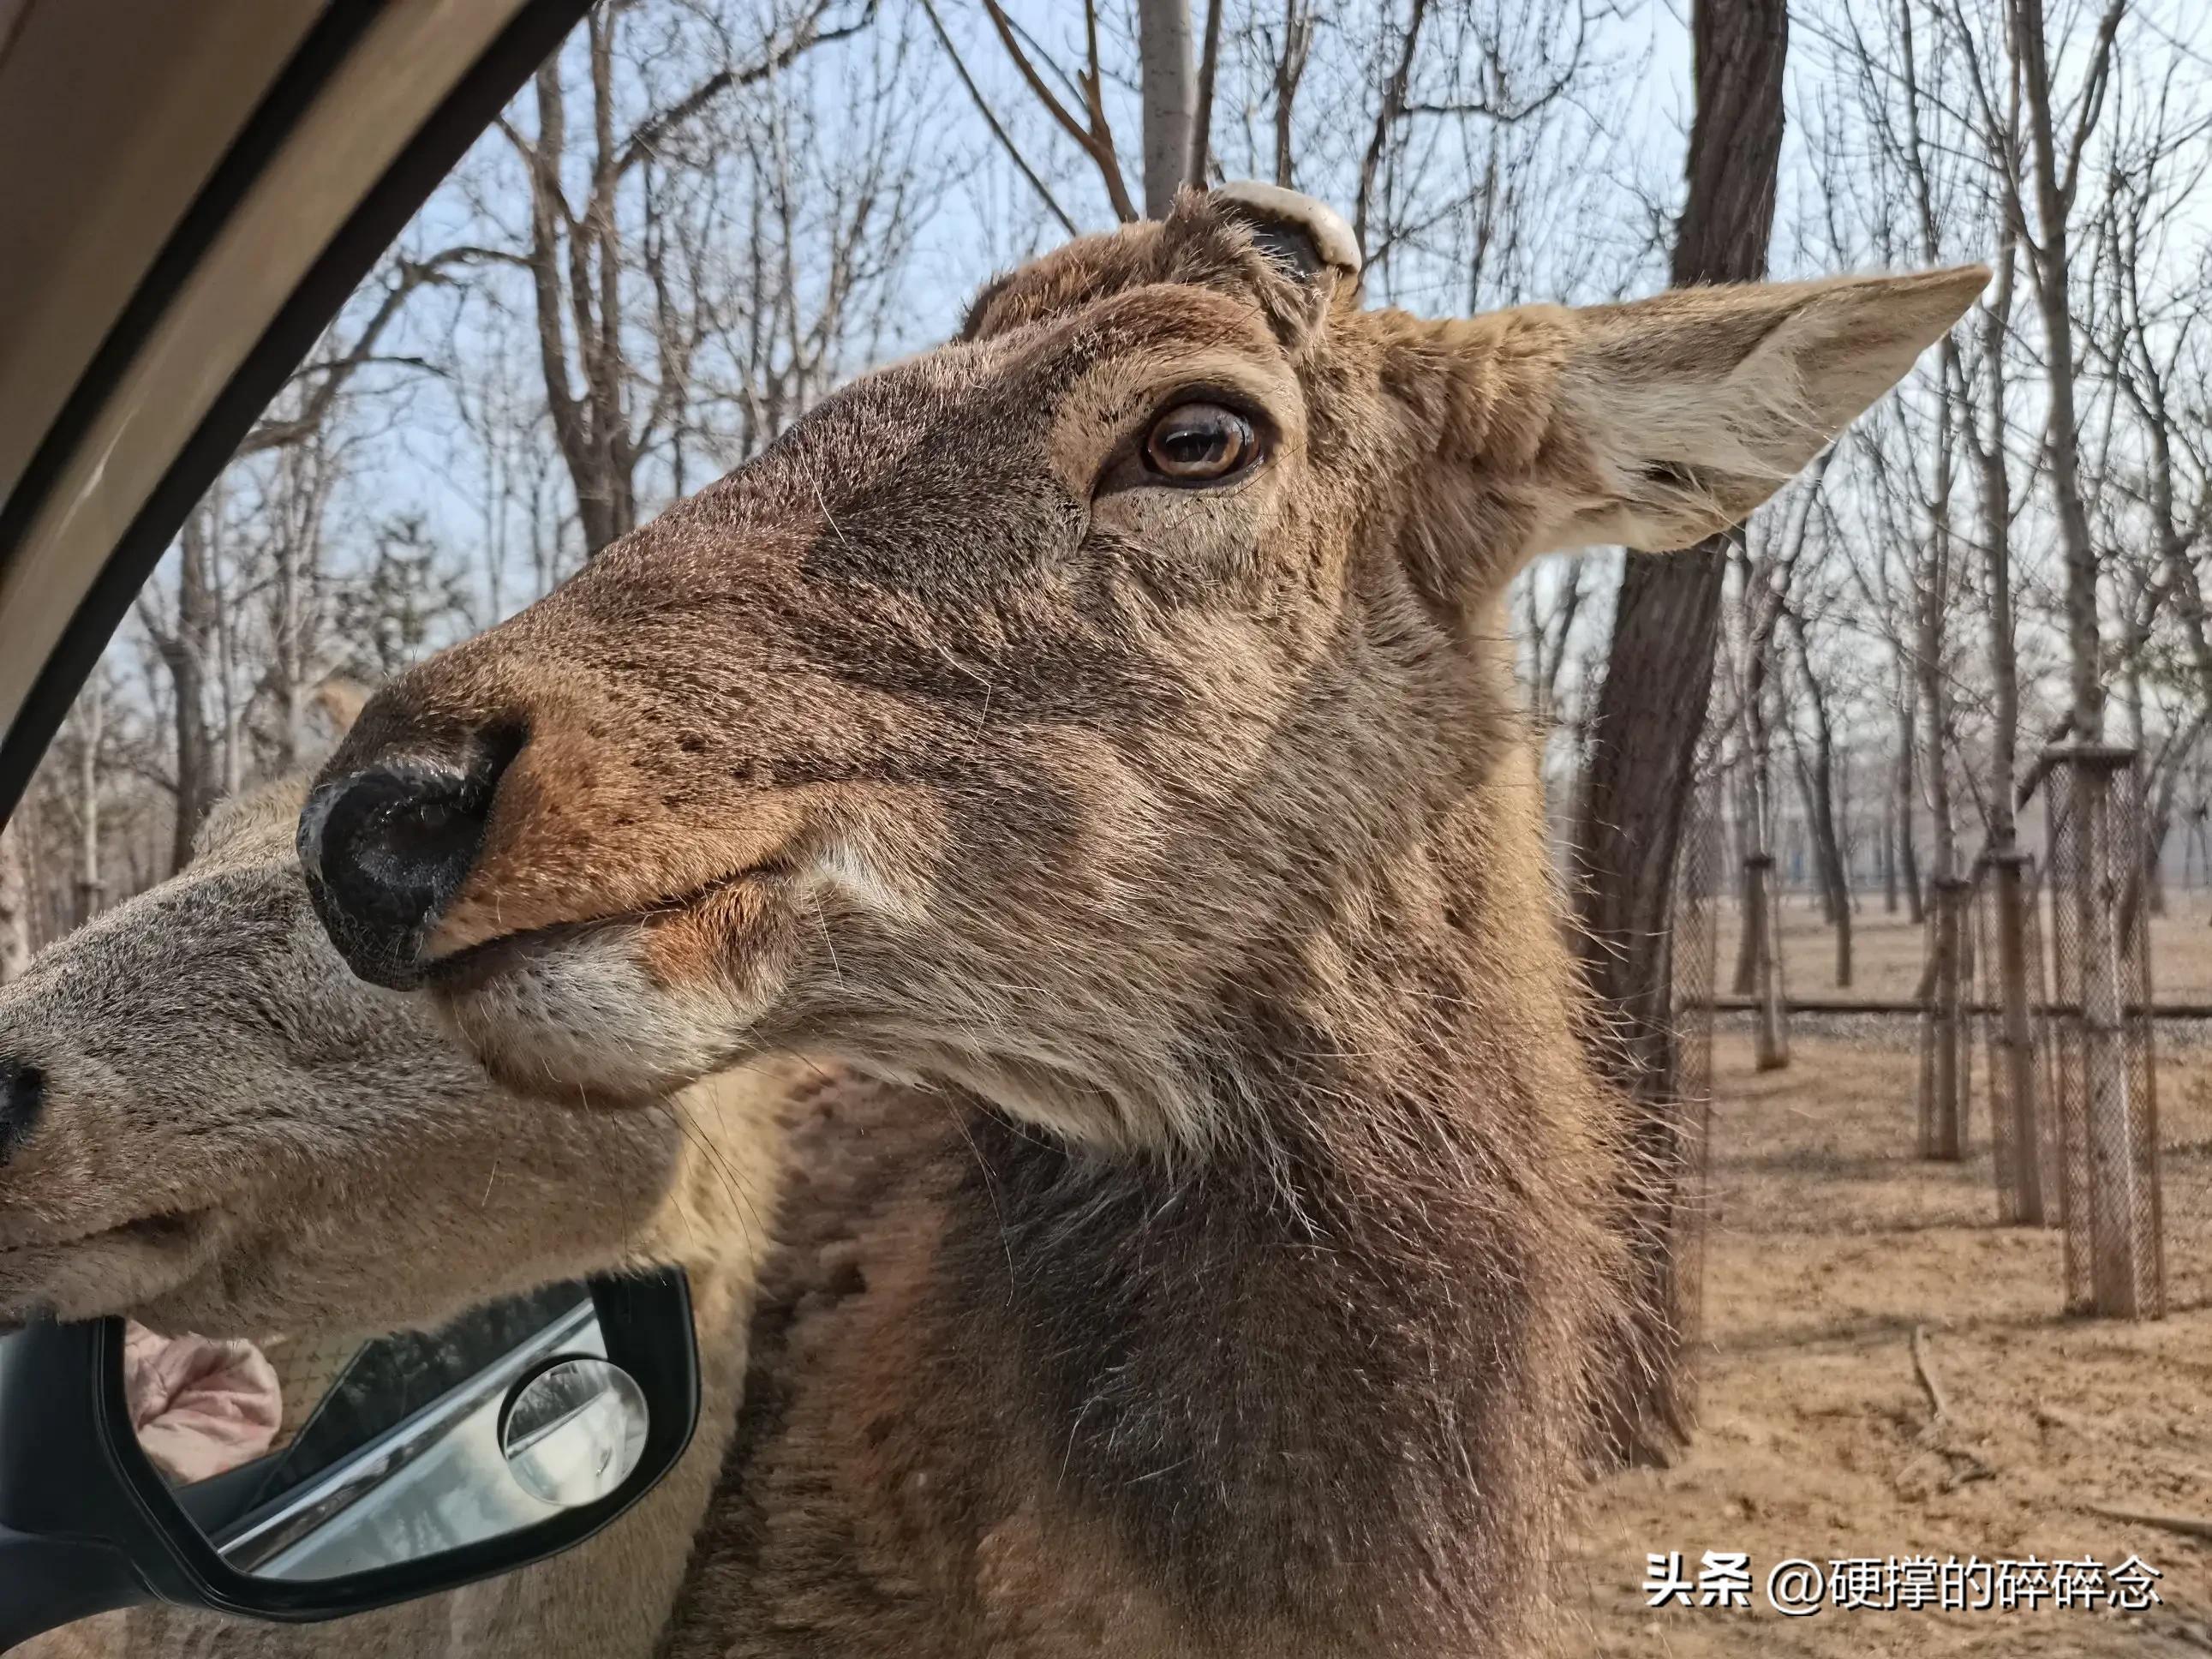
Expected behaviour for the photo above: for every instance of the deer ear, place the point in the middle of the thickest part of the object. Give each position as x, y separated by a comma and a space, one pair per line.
1675, 416
1302, 237
339, 700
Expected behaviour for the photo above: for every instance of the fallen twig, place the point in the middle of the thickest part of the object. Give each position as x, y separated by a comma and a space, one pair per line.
2187, 1526
1924, 1370
1973, 1469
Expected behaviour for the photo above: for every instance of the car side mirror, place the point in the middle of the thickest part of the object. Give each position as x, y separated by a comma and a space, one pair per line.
422, 1463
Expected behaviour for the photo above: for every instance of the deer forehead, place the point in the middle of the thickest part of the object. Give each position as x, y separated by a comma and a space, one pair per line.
1058, 391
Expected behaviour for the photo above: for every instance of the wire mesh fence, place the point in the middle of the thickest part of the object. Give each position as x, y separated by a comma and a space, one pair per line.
2091, 1129
1693, 958
1946, 1085
2103, 1079
2012, 992
1696, 949
2185, 1191
306, 1368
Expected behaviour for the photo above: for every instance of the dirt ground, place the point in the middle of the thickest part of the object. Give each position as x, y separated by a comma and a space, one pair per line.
1828, 1245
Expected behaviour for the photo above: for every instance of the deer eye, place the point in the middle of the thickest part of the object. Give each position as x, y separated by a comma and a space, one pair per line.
1200, 443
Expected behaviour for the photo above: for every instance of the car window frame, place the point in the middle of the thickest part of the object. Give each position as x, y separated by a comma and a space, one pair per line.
534, 29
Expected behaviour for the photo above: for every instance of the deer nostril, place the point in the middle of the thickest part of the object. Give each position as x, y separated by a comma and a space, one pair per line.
386, 848
22, 1097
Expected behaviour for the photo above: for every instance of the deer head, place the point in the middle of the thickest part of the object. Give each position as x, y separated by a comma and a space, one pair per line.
1031, 698
207, 1123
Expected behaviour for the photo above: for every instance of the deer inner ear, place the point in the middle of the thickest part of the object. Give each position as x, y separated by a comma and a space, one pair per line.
1304, 239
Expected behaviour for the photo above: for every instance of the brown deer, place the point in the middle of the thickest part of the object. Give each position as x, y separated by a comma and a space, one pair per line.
209, 1124
1099, 730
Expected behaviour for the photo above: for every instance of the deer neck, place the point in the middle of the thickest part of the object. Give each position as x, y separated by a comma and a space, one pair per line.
1325, 1376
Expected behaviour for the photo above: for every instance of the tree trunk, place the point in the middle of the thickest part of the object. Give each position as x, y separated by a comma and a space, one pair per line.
2016, 1027
15, 906
2062, 433
1847, 834
1170, 85
1942, 1114
2155, 831
1644, 732
1908, 849
1758, 864
1828, 851
1751, 903
1816, 778
2016, 1038
1889, 852
2122, 1274
1761, 926
574, 265
91, 721
1941, 1120
1289, 70
230, 759
184, 654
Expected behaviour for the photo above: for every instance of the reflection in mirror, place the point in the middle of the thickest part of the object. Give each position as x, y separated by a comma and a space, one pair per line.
399, 1455
574, 1430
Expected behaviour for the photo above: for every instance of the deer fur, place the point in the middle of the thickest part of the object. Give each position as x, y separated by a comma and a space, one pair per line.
240, 1138
1216, 1263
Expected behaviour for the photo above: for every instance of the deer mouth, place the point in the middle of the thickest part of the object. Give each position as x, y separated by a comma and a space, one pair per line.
484, 965
166, 1229
475, 967
478, 966
625, 1008
106, 1270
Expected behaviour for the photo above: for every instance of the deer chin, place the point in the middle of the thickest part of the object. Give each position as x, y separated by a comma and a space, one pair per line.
589, 1014
117, 1270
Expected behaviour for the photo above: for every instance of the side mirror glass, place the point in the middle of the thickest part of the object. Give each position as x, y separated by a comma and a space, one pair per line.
415, 1464
573, 1429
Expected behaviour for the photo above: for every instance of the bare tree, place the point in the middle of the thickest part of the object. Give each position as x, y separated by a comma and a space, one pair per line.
87, 724
1550, 600
1645, 732
2056, 147
1288, 54
1093, 133
584, 256
1820, 767
1764, 578
14, 905
182, 627
2153, 348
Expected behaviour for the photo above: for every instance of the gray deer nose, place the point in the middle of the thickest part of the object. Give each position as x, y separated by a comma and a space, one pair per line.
386, 848
22, 1096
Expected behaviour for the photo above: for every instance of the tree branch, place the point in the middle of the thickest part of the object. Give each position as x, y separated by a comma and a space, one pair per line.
1393, 103
1087, 138
990, 120
804, 38
1201, 124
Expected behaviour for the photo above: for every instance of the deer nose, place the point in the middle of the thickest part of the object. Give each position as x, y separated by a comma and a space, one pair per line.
23, 1094
386, 847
